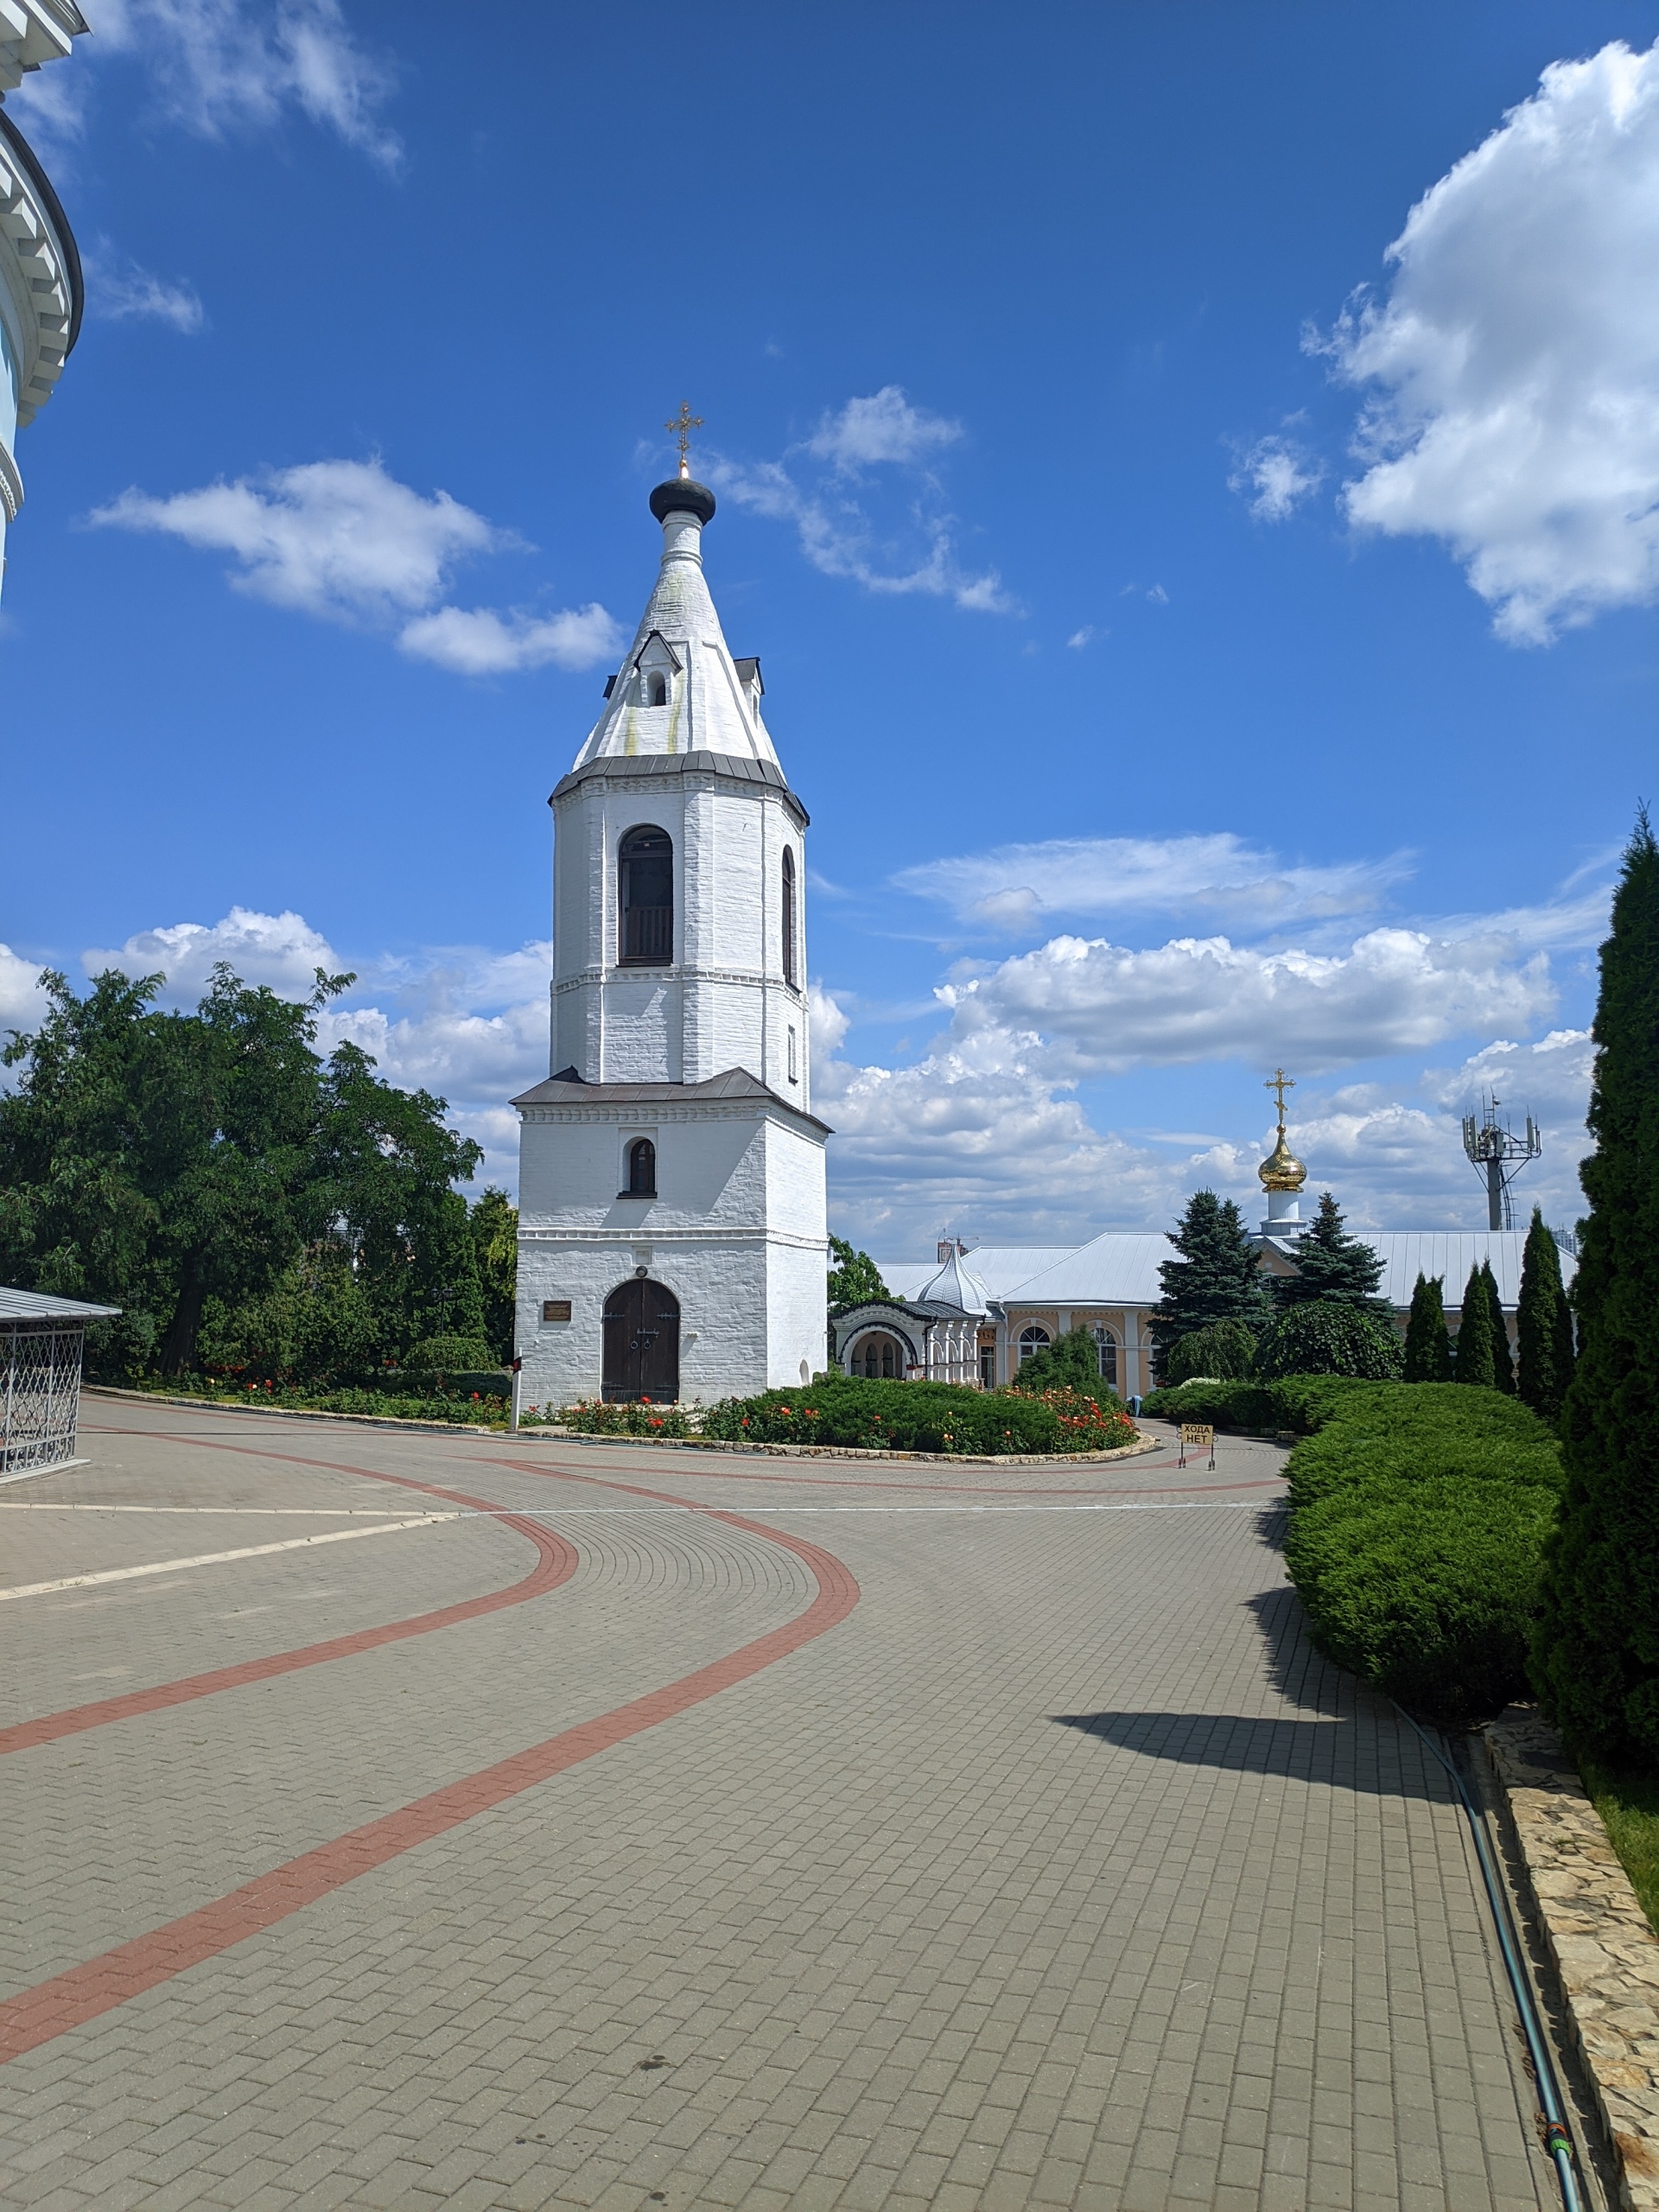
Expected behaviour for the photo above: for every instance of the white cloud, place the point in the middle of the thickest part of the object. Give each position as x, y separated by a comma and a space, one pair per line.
1086, 636
119, 290
1514, 365
477, 641
910, 548
281, 949
344, 540
22, 1000
1014, 886
50, 108
884, 427
1279, 472
1082, 1006
223, 66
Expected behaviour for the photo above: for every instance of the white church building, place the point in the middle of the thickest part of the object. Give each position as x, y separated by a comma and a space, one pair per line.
671, 1232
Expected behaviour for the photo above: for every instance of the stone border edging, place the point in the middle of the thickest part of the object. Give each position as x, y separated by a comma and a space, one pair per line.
1604, 1953
1142, 1442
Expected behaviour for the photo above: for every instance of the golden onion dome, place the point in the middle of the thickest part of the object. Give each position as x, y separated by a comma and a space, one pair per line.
1281, 1170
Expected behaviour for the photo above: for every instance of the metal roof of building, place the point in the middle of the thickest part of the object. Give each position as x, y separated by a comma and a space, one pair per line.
1449, 1254
997, 1266
33, 1305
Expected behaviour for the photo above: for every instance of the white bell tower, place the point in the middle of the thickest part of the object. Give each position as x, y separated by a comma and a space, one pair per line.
671, 1209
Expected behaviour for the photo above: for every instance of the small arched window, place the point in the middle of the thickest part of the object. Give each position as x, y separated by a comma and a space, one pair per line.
1106, 1354
1031, 1339
642, 1169
645, 899
790, 975
657, 691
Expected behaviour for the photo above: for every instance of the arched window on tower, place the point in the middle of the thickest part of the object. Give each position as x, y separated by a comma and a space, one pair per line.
790, 931
645, 899
657, 691
642, 1169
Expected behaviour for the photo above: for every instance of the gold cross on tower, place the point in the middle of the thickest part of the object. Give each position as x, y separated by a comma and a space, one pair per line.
683, 425
1279, 1083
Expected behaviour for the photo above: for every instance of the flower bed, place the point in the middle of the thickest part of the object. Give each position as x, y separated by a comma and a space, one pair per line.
485, 1409
593, 1417
951, 1418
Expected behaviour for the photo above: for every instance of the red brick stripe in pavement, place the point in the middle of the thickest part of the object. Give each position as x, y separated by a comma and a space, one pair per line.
70, 2000
557, 1563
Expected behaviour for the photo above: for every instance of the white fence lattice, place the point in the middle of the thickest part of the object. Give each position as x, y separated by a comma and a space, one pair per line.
40, 1393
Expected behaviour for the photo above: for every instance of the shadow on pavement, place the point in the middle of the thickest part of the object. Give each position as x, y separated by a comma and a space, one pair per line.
1363, 1753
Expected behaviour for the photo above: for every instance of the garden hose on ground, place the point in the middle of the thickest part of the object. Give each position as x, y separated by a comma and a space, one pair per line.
1557, 2140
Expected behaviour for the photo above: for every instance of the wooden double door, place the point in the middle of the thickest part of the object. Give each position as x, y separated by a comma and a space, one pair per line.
642, 1342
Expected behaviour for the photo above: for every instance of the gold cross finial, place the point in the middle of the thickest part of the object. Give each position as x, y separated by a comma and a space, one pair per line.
1279, 1083
683, 425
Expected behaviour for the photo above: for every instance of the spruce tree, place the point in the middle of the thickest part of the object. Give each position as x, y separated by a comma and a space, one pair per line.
1428, 1349
1542, 1312
1216, 1279
1472, 1357
1596, 1653
1503, 1358
1332, 1266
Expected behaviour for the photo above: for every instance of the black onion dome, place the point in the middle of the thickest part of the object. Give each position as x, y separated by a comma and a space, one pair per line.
681, 496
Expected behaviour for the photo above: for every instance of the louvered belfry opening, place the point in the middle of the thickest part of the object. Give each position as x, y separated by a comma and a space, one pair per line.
646, 874
789, 919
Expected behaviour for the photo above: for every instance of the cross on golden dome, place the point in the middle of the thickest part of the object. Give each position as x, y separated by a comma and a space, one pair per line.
1281, 1170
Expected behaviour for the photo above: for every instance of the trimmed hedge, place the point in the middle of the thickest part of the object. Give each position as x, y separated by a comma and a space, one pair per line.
947, 1417
1319, 1337
1419, 1514
1297, 1402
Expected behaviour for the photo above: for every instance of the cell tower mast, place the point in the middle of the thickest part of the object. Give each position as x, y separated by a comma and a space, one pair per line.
1497, 1156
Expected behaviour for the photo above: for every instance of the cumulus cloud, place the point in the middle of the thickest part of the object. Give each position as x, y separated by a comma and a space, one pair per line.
1015, 886
908, 546
1513, 366
281, 949
1279, 475
344, 540
1090, 1007
21, 1000
120, 291
477, 641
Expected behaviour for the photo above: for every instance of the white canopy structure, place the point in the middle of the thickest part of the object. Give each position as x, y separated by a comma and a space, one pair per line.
41, 1343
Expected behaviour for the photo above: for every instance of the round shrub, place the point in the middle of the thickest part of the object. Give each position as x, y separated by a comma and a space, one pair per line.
1318, 1338
449, 1355
1221, 1352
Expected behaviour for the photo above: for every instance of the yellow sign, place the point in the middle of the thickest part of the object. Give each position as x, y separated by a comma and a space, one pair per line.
1200, 1437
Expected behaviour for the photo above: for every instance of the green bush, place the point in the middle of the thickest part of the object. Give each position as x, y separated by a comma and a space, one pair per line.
1298, 1403
1419, 1514
1317, 1337
449, 1355
471, 1405
1224, 1351
947, 1417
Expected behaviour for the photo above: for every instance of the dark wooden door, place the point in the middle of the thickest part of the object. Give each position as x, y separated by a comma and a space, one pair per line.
642, 1342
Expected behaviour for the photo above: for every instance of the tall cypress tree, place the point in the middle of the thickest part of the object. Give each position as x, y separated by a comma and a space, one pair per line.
1428, 1351
1472, 1354
1596, 1652
1544, 1325
1332, 1265
1503, 1358
1217, 1277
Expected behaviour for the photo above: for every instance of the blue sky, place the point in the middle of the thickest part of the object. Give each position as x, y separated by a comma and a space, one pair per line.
1201, 639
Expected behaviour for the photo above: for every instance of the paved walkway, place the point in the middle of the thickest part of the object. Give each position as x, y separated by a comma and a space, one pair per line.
702, 1830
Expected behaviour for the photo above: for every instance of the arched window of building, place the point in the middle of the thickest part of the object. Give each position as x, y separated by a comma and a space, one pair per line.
1106, 1353
642, 1169
878, 1358
657, 691
790, 975
1033, 1338
645, 899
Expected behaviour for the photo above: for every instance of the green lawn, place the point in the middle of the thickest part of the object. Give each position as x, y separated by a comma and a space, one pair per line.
1628, 1804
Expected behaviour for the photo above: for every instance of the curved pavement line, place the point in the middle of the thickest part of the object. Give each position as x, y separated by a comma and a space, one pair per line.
556, 1562
70, 2000
870, 1482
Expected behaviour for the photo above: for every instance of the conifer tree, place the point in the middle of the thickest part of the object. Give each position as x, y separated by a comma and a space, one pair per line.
1472, 1354
1544, 1325
1428, 1349
1503, 1358
1332, 1266
1596, 1653
1216, 1279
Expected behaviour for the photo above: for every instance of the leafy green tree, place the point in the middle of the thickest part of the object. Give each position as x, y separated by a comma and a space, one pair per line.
1328, 1336
1216, 1279
1544, 1325
1472, 1356
1596, 1651
316, 1324
1224, 1352
1428, 1349
854, 1279
1071, 1363
1331, 1266
493, 1220
1503, 1358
